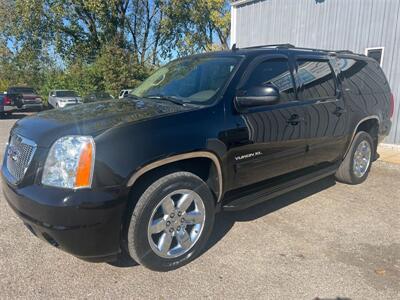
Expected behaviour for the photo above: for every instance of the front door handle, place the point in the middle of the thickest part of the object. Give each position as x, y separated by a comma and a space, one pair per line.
295, 120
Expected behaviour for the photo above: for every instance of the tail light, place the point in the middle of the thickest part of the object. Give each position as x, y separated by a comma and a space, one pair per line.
7, 100
391, 106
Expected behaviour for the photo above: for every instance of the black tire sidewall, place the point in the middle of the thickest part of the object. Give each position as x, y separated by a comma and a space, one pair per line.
360, 137
138, 243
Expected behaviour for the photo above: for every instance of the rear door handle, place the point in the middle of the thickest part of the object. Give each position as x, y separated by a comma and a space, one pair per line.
339, 111
295, 120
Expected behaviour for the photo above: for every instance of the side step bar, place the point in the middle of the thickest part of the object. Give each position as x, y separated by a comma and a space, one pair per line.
279, 189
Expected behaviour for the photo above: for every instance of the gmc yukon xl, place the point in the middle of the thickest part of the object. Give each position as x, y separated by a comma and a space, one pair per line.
219, 131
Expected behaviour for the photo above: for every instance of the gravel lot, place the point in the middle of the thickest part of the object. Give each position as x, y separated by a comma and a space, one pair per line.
326, 240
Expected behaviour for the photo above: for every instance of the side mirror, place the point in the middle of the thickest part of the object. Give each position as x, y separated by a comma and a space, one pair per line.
257, 96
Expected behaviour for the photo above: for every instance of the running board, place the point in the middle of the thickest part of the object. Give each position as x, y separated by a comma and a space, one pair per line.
279, 189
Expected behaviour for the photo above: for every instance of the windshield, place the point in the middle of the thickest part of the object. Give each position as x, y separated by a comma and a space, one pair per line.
64, 94
191, 80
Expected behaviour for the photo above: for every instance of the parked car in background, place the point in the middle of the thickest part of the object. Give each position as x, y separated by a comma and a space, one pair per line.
30, 100
97, 96
63, 98
9, 103
219, 131
124, 93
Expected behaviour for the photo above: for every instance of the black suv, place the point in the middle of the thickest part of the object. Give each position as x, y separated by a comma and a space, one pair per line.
218, 131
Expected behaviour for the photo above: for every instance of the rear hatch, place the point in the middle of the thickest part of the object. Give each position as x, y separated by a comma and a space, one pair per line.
31, 99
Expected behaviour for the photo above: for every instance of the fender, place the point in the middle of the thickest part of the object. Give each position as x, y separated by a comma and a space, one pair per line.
355, 130
179, 157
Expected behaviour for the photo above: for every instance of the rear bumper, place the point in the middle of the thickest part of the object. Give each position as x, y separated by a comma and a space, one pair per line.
84, 223
32, 106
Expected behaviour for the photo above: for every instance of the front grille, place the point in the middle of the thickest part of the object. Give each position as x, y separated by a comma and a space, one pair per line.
19, 153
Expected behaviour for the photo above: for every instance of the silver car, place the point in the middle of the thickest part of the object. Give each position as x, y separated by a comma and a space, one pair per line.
63, 98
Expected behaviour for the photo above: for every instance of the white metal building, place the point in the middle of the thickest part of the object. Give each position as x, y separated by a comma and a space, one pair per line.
371, 27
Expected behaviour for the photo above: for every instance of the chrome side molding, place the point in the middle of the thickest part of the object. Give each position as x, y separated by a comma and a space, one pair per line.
180, 157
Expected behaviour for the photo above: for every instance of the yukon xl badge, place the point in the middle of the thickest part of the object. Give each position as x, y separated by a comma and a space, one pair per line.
249, 155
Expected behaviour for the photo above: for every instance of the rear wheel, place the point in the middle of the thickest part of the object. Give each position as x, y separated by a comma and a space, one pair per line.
357, 163
171, 222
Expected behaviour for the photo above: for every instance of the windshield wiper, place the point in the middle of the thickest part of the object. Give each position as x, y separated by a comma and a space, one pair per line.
131, 96
172, 99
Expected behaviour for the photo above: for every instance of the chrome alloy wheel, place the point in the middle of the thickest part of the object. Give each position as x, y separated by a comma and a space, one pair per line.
362, 159
176, 223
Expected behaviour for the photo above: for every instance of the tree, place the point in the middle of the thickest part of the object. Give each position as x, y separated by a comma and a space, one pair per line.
198, 26
97, 44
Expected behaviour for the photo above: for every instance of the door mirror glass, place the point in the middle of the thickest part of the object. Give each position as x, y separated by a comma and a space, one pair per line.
257, 96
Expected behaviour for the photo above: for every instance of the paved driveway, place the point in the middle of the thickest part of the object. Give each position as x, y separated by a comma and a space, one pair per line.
326, 240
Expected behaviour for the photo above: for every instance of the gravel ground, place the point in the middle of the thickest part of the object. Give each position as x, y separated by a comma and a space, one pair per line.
327, 241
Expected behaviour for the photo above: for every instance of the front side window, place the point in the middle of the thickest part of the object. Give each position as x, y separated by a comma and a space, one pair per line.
315, 79
190, 80
274, 72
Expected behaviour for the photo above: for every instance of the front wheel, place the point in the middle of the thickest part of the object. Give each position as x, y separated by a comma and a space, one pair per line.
171, 222
356, 165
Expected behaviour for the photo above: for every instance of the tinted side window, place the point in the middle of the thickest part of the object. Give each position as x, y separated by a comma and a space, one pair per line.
315, 79
275, 72
362, 76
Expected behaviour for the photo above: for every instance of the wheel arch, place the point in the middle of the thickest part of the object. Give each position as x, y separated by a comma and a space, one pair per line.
188, 160
365, 124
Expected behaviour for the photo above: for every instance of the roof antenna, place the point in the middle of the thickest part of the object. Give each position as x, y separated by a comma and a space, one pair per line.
234, 48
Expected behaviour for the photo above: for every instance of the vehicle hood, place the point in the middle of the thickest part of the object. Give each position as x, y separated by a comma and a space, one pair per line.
90, 119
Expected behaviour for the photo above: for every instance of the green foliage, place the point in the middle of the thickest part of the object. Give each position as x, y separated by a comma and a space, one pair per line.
102, 45
198, 26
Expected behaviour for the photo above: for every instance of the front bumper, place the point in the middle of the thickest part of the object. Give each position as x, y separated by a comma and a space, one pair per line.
67, 104
8, 108
84, 223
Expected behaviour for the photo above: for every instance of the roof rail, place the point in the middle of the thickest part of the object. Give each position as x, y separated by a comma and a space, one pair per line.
344, 51
272, 45
293, 46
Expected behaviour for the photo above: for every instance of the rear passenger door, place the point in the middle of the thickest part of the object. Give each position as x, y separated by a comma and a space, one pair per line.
326, 112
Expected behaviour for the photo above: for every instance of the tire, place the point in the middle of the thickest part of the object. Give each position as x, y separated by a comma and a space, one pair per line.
142, 245
347, 172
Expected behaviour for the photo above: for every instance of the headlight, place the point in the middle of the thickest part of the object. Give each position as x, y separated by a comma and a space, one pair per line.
70, 163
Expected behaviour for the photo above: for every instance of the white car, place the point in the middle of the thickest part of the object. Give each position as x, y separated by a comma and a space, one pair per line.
63, 98
123, 93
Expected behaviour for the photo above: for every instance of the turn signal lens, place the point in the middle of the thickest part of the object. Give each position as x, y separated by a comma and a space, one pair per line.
84, 170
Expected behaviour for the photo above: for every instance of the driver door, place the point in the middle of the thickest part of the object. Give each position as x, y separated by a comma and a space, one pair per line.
269, 141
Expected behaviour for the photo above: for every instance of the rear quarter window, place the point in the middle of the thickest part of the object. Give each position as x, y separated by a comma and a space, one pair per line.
362, 77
